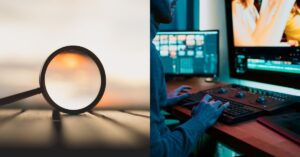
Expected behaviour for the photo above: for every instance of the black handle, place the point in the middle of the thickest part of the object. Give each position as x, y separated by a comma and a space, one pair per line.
17, 97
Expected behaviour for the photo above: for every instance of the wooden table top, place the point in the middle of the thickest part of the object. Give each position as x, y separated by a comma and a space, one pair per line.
115, 132
249, 137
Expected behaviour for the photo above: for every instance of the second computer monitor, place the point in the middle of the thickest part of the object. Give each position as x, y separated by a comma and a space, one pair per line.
191, 53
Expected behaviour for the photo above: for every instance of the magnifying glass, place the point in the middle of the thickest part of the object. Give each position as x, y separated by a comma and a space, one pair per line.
72, 80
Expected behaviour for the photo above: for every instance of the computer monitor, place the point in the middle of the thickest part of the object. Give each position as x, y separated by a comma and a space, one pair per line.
189, 53
264, 41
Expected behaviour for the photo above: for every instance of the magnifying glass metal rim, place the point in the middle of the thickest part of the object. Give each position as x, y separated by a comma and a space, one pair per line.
102, 76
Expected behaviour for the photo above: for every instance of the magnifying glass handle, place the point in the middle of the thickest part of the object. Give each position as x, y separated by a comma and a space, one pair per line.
17, 97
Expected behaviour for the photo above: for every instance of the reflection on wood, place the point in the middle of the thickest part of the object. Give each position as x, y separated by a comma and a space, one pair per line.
31, 128
137, 113
113, 130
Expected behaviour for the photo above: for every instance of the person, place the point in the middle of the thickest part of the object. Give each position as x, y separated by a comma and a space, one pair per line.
265, 28
245, 16
292, 29
182, 140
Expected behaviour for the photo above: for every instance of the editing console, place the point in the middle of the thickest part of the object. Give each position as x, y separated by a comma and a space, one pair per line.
245, 102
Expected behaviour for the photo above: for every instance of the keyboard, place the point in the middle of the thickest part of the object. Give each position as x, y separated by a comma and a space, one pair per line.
245, 103
234, 113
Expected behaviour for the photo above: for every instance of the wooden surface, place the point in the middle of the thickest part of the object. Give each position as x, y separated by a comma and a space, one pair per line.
112, 131
249, 137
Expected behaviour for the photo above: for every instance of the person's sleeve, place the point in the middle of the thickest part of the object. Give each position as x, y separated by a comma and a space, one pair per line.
178, 143
164, 143
169, 103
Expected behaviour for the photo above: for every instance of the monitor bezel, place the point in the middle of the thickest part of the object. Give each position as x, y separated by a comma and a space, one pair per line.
218, 53
274, 78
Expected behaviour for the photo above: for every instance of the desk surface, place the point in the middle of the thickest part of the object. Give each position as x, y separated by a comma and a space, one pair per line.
248, 137
113, 131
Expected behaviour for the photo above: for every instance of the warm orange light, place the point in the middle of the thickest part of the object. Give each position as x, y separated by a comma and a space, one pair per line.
69, 60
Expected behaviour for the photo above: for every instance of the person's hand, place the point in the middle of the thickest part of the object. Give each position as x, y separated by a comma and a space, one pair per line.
179, 94
293, 43
208, 111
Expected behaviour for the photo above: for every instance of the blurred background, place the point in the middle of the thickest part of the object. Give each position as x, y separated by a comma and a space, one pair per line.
32, 29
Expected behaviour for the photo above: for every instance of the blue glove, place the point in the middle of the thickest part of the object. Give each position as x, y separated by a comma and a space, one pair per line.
208, 111
179, 94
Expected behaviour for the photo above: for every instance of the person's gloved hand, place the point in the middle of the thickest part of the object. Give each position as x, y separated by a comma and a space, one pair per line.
208, 111
178, 94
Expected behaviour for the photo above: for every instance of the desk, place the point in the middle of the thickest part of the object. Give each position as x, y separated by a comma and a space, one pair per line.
250, 138
39, 132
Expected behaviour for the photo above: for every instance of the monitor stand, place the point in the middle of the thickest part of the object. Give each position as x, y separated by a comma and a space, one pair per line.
210, 79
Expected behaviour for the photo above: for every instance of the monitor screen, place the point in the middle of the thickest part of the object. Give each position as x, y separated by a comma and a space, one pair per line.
189, 52
266, 23
264, 41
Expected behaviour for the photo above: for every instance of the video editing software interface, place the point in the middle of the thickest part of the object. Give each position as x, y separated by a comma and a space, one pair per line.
262, 42
289, 64
188, 52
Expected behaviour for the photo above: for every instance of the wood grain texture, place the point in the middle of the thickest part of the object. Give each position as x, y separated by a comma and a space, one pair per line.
111, 130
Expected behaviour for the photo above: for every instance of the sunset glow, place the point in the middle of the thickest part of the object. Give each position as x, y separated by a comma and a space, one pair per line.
69, 60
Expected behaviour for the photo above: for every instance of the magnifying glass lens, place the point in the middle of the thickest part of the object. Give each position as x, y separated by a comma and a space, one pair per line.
72, 80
